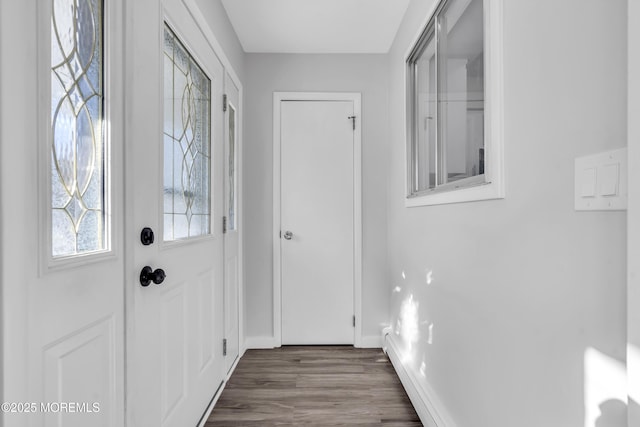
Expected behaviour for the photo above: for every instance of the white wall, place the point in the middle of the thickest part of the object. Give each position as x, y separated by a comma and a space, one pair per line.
266, 73
522, 288
633, 303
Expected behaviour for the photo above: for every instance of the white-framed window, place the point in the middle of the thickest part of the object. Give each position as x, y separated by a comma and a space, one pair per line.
454, 104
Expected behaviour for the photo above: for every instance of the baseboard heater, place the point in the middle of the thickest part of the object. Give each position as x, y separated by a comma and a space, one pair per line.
427, 406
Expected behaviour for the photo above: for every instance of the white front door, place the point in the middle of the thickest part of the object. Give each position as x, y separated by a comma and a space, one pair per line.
62, 214
317, 221
175, 188
231, 247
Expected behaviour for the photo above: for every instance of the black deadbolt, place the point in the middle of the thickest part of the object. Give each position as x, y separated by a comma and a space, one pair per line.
146, 236
148, 275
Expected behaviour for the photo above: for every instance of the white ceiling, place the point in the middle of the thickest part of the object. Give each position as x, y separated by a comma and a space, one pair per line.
316, 26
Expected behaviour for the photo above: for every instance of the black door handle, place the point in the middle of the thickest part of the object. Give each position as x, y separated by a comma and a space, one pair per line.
146, 236
148, 275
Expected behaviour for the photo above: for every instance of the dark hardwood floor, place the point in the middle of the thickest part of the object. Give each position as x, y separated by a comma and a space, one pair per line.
311, 385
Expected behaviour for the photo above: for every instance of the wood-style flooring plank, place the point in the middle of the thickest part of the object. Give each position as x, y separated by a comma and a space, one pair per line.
314, 386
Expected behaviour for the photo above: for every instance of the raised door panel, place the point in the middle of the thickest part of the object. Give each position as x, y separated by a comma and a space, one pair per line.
79, 372
206, 317
173, 369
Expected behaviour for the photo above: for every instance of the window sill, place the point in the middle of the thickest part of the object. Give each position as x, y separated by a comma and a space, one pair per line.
488, 191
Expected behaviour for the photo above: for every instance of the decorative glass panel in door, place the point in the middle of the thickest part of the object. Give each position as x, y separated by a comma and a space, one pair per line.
187, 143
77, 127
232, 168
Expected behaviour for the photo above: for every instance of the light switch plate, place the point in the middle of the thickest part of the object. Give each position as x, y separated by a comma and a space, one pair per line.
588, 182
601, 181
609, 179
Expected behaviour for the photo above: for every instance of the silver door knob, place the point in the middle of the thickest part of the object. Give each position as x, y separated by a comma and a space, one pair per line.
288, 235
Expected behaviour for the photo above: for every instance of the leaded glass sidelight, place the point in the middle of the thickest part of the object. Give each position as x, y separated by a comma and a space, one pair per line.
187, 143
77, 142
231, 169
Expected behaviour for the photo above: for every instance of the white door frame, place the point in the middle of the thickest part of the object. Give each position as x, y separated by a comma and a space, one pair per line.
278, 97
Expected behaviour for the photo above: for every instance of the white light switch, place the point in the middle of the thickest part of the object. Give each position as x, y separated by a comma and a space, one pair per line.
609, 180
588, 182
601, 181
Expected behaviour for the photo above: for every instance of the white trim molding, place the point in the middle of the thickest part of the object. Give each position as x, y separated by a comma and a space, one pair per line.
256, 343
278, 97
371, 341
431, 412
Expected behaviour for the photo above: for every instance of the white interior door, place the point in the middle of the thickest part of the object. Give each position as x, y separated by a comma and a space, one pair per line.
231, 247
175, 188
62, 214
317, 222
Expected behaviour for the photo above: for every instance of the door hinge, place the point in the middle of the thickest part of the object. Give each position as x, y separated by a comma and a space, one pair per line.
224, 347
224, 102
354, 321
353, 121
224, 224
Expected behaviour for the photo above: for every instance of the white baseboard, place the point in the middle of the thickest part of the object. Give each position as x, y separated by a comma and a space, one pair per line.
429, 409
233, 368
259, 342
371, 341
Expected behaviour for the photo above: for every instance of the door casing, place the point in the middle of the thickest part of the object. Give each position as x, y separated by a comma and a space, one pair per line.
278, 98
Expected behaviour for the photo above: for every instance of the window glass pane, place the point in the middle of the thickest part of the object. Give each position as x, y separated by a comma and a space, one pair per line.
461, 89
232, 168
77, 154
187, 143
425, 117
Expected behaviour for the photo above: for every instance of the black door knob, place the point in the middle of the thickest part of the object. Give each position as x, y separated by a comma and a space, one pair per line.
148, 275
146, 236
